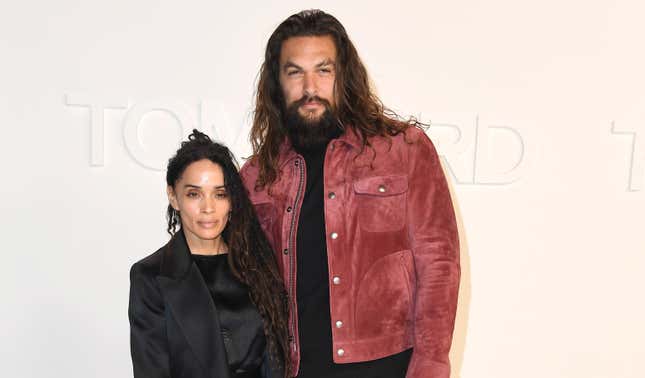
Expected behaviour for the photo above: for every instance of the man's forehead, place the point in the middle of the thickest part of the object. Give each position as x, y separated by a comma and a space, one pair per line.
308, 50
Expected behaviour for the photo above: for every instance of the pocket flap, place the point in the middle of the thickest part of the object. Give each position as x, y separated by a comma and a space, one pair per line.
382, 185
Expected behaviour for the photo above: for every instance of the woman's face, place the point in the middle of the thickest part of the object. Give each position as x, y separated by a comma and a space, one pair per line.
203, 204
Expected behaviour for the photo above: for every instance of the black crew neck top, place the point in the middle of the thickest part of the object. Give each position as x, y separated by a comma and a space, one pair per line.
312, 285
241, 324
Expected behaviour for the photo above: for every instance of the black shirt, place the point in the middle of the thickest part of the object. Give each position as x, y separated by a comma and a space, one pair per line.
314, 319
241, 324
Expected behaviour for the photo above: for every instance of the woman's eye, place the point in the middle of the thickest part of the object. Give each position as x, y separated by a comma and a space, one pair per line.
221, 195
192, 194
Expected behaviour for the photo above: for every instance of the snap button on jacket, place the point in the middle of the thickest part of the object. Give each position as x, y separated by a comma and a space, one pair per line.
392, 246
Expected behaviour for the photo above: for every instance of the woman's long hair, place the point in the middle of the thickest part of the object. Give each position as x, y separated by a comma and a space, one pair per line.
357, 106
250, 256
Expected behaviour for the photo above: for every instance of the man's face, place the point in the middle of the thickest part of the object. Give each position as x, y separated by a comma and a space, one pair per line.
307, 75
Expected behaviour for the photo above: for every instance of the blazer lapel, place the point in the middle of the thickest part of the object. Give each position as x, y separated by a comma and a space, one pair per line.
191, 305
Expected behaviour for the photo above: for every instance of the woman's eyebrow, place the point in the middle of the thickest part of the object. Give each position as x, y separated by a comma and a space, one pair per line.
199, 187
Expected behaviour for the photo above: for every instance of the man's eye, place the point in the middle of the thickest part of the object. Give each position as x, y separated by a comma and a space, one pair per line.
292, 73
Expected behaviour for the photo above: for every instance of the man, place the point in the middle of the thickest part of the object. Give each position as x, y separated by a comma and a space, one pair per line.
356, 206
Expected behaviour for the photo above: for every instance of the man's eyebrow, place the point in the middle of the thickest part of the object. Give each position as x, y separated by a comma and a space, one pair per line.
326, 62
290, 64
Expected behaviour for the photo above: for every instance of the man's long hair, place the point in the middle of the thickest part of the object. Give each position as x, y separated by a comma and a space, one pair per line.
357, 106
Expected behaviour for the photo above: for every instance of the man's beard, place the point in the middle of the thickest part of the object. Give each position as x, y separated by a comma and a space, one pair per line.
307, 134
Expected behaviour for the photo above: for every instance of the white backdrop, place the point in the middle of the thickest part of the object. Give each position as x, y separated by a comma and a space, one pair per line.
538, 111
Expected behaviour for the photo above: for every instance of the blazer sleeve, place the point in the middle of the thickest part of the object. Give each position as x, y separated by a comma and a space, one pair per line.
435, 246
148, 340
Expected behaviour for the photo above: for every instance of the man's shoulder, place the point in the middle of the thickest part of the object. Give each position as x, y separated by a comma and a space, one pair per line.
412, 134
412, 137
250, 164
249, 171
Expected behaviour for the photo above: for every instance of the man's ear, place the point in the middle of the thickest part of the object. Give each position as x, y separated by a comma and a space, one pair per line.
172, 197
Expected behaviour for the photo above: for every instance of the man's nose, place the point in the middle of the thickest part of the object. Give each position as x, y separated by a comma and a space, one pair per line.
309, 84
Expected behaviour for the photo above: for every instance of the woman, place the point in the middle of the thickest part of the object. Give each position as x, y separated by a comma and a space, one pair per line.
209, 303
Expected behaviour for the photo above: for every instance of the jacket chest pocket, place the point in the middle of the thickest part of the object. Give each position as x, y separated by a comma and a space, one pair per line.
381, 202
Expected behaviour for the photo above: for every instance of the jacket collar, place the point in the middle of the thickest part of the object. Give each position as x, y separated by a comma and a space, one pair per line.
192, 307
349, 137
176, 259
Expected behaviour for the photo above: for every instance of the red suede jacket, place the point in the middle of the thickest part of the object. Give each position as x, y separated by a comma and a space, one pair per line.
392, 247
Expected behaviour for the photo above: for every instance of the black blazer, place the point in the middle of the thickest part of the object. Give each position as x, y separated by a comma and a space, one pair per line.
174, 327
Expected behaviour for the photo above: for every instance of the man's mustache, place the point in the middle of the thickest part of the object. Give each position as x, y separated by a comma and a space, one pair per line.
306, 99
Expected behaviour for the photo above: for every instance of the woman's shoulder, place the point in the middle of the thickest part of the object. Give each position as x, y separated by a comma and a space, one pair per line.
145, 292
150, 265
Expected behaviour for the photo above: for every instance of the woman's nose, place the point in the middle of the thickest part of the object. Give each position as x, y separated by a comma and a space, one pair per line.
208, 206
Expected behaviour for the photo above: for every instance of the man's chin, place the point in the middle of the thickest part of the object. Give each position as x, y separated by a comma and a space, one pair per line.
310, 117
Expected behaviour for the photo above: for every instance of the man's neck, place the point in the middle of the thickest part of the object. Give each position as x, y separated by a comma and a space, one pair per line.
318, 147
